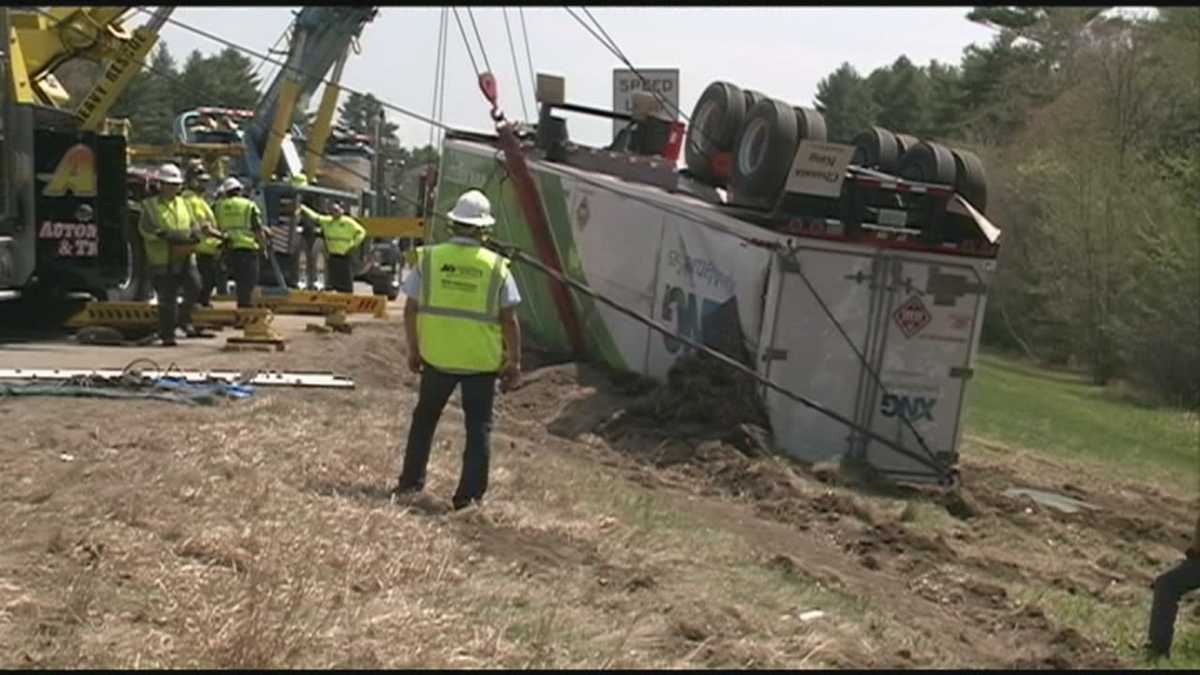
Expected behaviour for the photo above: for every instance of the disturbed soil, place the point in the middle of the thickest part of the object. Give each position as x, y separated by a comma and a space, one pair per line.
626, 525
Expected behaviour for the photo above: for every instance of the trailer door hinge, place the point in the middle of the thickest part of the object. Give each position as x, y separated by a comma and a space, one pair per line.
775, 355
962, 373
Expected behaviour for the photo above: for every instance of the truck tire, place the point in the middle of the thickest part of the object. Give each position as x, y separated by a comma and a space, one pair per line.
904, 143
715, 122
137, 286
970, 179
764, 151
810, 124
752, 98
876, 148
928, 163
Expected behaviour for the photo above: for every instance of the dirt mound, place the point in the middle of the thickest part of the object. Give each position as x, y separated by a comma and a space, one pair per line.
701, 390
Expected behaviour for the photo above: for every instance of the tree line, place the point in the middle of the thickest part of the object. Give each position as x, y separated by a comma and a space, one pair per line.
1088, 122
160, 92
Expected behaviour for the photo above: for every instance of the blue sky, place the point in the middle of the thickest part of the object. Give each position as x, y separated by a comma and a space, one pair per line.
781, 51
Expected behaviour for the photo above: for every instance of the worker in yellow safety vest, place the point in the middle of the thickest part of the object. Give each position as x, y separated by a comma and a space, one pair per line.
208, 251
169, 235
342, 235
461, 326
240, 220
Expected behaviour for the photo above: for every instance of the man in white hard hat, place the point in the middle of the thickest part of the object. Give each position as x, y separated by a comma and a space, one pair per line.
170, 234
240, 220
461, 326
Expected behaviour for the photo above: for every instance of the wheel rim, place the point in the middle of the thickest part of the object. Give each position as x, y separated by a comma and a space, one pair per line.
703, 122
753, 149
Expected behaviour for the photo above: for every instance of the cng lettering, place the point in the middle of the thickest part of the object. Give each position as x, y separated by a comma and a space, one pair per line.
912, 408
687, 311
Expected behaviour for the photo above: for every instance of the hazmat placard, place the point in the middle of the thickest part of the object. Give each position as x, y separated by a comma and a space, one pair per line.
663, 81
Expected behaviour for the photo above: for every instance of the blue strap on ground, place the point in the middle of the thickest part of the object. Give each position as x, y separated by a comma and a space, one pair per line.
163, 389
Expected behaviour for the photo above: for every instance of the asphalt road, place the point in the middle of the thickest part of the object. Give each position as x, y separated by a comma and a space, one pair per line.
29, 338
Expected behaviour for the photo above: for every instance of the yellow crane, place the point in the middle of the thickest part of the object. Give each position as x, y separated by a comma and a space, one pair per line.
40, 41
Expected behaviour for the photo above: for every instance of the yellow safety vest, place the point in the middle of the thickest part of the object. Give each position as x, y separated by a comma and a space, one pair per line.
341, 234
458, 320
174, 215
233, 217
202, 213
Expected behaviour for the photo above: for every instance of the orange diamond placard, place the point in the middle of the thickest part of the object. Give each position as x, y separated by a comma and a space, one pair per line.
912, 316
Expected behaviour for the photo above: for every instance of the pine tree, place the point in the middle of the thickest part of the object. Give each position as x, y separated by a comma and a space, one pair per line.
844, 98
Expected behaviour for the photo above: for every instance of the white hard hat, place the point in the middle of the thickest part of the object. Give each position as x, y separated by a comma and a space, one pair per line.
473, 209
169, 173
231, 184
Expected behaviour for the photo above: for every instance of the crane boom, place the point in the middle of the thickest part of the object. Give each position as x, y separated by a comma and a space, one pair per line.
320, 37
324, 122
41, 41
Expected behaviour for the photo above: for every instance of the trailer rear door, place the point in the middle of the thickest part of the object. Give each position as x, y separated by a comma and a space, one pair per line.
930, 331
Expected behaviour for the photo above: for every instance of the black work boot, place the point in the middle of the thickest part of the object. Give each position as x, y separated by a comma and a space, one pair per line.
404, 487
460, 503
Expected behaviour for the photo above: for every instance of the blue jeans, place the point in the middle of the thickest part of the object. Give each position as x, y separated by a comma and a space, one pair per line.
478, 394
1168, 588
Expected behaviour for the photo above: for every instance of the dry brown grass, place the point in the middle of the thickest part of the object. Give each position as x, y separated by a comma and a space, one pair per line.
259, 535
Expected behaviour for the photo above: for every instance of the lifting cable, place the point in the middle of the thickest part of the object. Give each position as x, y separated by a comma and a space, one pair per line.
462, 31
282, 64
438, 72
516, 66
441, 113
528, 57
482, 49
611, 44
616, 51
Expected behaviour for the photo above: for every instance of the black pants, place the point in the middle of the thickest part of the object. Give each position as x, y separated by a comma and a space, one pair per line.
168, 281
478, 393
245, 275
339, 275
1168, 588
210, 275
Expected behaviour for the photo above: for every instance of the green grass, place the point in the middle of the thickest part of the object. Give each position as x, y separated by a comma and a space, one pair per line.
1121, 627
1061, 414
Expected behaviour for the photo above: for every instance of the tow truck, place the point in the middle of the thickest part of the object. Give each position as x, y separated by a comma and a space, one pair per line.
63, 212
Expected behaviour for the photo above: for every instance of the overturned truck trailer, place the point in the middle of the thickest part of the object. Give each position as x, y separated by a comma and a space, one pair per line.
878, 323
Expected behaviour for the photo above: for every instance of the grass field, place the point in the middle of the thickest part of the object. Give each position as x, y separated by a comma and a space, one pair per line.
1062, 415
